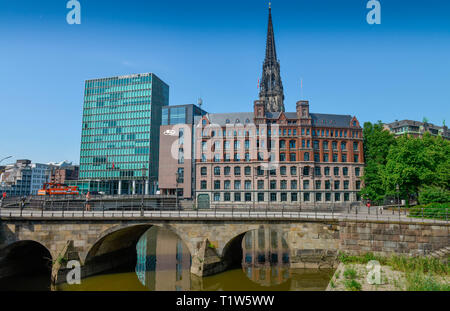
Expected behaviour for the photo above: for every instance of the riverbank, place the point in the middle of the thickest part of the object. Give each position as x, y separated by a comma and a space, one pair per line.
392, 274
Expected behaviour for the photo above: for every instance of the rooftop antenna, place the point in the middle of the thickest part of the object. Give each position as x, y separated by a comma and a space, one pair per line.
200, 103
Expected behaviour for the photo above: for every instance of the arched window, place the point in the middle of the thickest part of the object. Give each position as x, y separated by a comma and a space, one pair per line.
283, 170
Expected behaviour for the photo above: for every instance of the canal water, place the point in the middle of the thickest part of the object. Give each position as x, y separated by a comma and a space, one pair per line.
164, 261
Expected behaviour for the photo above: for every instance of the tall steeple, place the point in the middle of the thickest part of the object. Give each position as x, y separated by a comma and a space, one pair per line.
271, 91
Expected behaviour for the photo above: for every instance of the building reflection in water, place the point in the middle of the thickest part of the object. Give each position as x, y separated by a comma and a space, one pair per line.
163, 261
265, 257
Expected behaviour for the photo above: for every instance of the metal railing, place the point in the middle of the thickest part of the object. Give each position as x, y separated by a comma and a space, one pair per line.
167, 208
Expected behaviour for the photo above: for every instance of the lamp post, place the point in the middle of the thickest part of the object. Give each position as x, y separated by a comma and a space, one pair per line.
143, 192
398, 198
5, 159
177, 177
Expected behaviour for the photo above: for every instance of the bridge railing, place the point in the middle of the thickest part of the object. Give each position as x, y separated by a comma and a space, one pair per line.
171, 209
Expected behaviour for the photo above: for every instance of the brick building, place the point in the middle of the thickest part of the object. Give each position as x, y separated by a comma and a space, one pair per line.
270, 157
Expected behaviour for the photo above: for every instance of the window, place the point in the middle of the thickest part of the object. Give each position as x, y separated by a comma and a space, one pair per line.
317, 171
273, 197
217, 171
344, 158
343, 146
217, 185
293, 157
326, 157
327, 185
227, 197
337, 197
316, 157
328, 197
335, 157
355, 146
237, 145
306, 171
294, 185
248, 185
283, 197
306, 185
318, 184
346, 197
237, 157
217, 158
316, 145
306, 197
346, 184
237, 197
180, 156
294, 197
227, 145
260, 197
306, 156
282, 144
247, 157
358, 185
325, 145
227, 157
292, 144
227, 171
248, 171
260, 184
181, 175
318, 197
345, 171
357, 171
336, 171
216, 197
355, 158
327, 171
237, 185
237, 171
334, 145
227, 185
293, 170
337, 184
204, 171
283, 171
248, 197
282, 157
203, 185
273, 184
283, 185
247, 144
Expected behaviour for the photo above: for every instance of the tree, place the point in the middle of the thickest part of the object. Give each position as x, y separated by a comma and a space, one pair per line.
377, 143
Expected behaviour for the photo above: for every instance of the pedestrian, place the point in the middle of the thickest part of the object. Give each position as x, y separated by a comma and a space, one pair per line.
2, 199
88, 197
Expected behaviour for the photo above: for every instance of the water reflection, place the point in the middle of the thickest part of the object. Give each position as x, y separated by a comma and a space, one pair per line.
163, 261
266, 257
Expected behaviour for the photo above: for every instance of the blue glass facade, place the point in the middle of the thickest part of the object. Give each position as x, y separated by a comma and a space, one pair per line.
120, 132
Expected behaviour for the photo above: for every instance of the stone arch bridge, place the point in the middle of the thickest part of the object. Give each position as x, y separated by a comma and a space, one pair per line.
102, 244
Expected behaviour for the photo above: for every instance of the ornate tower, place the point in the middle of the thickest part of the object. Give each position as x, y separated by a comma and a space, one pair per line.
271, 91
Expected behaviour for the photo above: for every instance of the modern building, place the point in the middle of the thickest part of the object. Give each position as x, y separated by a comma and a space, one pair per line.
176, 153
269, 157
120, 134
416, 128
23, 178
63, 172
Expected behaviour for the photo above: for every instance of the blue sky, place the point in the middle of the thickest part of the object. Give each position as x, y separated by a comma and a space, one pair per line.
214, 50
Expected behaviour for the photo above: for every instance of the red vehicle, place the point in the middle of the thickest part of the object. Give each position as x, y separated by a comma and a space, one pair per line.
58, 189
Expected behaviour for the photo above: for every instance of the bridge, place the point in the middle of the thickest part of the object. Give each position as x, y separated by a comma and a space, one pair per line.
105, 239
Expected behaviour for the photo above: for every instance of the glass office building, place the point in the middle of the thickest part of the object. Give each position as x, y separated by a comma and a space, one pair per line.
120, 134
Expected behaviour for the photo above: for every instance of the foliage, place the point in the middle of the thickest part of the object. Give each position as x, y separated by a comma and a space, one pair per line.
421, 282
352, 285
433, 211
433, 194
418, 166
350, 273
377, 143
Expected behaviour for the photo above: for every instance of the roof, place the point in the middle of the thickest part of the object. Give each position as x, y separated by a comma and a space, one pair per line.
231, 118
331, 120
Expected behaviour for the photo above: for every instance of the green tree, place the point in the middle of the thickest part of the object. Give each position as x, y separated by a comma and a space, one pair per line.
377, 143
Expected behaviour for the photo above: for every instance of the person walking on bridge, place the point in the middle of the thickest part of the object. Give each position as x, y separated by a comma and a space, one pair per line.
2, 199
87, 205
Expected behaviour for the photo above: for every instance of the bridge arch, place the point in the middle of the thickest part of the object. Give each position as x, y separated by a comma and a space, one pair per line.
25, 257
116, 246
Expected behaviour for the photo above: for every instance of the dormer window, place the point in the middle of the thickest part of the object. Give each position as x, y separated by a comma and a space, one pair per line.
238, 121
354, 123
228, 121
204, 122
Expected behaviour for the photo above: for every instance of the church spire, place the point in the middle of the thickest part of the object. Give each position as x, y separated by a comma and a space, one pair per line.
271, 91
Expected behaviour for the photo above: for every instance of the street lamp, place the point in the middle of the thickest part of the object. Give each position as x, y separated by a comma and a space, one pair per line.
177, 177
5, 159
398, 198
